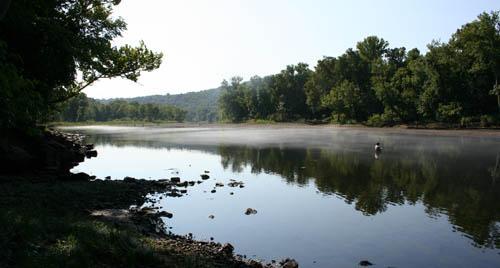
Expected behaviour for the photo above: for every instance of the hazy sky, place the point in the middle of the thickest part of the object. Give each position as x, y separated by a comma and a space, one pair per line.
206, 41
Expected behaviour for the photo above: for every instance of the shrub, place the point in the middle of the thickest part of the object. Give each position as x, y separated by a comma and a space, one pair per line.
468, 121
375, 120
449, 113
487, 120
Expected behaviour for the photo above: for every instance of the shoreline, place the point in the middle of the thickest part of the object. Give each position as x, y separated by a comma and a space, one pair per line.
57, 201
400, 129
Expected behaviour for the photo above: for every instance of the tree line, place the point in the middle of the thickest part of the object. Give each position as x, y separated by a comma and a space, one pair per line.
83, 109
201, 106
454, 82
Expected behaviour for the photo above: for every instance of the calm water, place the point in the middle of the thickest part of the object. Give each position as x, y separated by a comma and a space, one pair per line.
322, 196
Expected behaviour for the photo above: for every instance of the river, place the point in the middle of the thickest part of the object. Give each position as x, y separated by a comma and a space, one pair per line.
322, 194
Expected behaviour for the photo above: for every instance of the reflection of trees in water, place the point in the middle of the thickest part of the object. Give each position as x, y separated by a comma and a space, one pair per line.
117, 140
446, 181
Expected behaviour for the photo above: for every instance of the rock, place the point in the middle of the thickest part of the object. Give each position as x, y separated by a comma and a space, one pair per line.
234, 183
175, 179
191, 183
206, 171
211, 217
289, 263
254, 264
231, 193
90, 154
182, 184
213, 191
365, 263
174, 194
147, 210
165, 214
227, 249
250, 211
204, 177
89, 146
183, 191
80, 177
219, 184
129, 179
107, 177
199, 182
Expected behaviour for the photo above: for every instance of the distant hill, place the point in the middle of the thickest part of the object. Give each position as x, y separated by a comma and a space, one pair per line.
200, 105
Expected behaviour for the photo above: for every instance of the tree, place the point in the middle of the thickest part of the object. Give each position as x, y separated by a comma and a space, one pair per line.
372, 48
288, 91
345, 101
233, 100
321, 81
478, 46
59, 47
81, 109
454, 81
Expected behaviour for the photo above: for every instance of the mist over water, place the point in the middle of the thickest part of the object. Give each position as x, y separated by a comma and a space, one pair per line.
430, 199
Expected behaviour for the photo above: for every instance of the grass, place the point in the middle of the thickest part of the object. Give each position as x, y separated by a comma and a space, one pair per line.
47, 224
261, 121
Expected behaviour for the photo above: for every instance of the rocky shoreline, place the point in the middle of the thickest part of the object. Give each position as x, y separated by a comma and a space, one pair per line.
58, 152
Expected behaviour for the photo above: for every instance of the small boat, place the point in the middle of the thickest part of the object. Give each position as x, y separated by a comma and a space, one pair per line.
378, 148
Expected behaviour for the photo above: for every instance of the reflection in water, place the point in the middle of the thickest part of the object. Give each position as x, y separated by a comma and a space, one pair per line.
455, 176
457, 185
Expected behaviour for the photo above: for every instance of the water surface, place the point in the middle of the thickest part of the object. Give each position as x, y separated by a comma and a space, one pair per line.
431, 199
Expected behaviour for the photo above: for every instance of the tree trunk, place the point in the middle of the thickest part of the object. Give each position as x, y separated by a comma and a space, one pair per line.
497, 92
4, 6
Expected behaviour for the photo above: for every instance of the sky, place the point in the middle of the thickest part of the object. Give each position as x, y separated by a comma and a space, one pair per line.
206, 41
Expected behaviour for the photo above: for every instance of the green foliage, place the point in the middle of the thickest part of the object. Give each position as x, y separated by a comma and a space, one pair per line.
376, 120
234, 100
488, 120
19, 107
380, 85
83, 109
344, 99
53, 49
200, 106
449, 113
